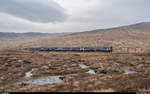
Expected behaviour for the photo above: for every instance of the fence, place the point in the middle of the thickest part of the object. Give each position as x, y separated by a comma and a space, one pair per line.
129, 50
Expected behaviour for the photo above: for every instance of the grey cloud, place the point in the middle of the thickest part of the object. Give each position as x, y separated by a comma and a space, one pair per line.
43, 11
102, 14
13, 24
116, 13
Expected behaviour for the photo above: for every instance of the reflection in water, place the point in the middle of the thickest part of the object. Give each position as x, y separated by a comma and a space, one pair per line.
85, 67
28, 74
127, 70
45, 80
42, 80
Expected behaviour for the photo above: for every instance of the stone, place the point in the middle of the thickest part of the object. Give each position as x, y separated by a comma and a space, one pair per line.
6, 64
76, 83
20, 61
140, 66
34, 69
2, 78
45, 67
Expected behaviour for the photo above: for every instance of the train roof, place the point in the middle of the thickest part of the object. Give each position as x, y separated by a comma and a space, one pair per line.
74, 47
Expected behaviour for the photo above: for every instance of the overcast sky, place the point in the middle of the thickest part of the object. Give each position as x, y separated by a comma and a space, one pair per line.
54, 16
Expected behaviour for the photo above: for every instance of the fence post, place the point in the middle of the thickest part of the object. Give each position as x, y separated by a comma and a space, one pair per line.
124, 50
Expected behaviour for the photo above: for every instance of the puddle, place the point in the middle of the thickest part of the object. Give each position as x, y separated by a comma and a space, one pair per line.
43, 80
28, 74
127, 70
83, 66
39, 81
91, 72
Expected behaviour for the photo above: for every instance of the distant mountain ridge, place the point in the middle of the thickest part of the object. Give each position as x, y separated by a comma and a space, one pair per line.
138, 26
136, 35
14, 39
12, 35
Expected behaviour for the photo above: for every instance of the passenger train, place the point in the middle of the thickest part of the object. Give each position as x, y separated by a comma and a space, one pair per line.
79, 49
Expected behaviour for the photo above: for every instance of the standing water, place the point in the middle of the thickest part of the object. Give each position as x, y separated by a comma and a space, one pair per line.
39, 81
45, 80
28, 74
128, 70
91, 72
83, 66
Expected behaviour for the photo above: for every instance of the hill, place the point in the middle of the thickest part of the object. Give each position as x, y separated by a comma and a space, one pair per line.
8, 40
137, 35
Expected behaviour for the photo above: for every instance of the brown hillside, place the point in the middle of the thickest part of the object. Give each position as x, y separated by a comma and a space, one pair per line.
137, 35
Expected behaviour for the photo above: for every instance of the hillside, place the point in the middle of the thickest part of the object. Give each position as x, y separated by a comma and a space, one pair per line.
8, 40
137, 35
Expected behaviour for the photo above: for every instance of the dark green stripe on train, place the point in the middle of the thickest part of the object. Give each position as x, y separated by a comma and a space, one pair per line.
80, 49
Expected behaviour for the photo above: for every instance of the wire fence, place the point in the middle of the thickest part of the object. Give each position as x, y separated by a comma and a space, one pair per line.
129, 50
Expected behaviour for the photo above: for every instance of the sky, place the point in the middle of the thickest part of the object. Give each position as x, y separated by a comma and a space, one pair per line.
56, 16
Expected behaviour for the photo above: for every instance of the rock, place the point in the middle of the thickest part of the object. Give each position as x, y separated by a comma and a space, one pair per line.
34, 69
76, 84
2, 78
6, 64
20, 61
64, 65
45, 67
116, 64
49, 64
140, 66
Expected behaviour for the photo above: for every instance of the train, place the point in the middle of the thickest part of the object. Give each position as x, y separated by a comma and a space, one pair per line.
78, 49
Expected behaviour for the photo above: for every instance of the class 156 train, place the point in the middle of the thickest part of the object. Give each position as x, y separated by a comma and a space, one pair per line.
79, 49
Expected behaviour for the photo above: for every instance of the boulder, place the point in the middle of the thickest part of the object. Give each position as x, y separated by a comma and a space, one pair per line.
45, 67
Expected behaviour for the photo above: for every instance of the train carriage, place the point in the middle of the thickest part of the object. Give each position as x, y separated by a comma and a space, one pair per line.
80, 49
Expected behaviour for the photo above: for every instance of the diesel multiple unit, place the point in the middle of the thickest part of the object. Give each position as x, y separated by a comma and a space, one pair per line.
80, 49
